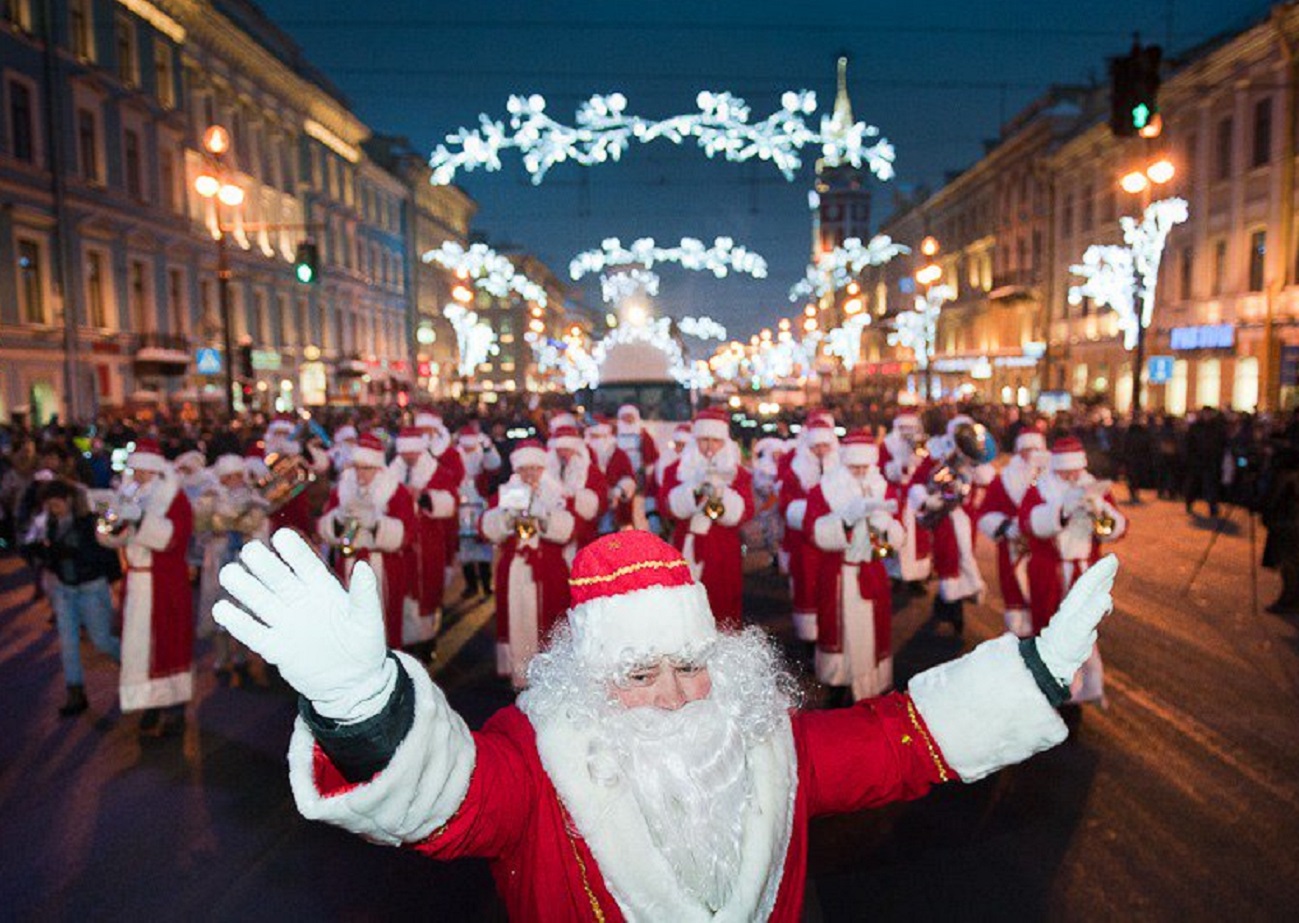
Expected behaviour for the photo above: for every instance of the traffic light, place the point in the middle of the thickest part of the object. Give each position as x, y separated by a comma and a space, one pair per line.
246, 360
306, 263
1134, 92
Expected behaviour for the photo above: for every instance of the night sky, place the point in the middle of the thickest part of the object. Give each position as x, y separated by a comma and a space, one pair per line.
937, 78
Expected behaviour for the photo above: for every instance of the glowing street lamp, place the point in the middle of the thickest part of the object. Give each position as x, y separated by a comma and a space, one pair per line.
213, 184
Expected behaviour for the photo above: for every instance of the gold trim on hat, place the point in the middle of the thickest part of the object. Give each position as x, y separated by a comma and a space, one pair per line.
624, 571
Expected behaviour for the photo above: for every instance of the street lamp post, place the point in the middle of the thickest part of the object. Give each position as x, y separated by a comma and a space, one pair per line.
1142, 182
927, 275
214, 184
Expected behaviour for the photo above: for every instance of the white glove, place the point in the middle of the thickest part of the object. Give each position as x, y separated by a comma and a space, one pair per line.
855, 510
1068, 640
328, 642
367, 518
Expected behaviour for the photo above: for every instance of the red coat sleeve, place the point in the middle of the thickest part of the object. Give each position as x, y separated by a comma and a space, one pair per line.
743, 485
670, 482
649, 450
996, 500
870, 754
816, 508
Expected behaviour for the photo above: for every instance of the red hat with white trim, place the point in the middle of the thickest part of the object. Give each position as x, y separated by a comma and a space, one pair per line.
566, 437
282, 424
147, 456
528, 453
635, 600
712, 423
859, 448
562, 419
426, 419
228, 464
1068, 455
344, 433
820, 431
368, 453
1029, 439
411, 439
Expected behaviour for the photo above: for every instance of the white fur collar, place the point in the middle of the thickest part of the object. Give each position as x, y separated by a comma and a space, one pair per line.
439, 442
637, 874
603, 449
808, 469
425, 467
1017, 477
575, 474
694, 467
839, 487
382, 488
1053, 488
163, 491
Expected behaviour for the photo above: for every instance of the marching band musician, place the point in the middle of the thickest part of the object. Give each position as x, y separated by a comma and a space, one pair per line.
443, 449
340, 454
852, 521
709, 494
482, 464
944, 503
530, 521
293, 513
998, 519
1066, 516
434, 485
370, 517
816, 453
901, 460
156, 522
653, 486
571, 464
626, 506
642, 451
227, 515
770, 522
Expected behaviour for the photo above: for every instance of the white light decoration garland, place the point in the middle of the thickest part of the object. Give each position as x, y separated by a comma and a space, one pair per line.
722, 258
475, 339
604, 131
1120, 277
845, 341
704, 328
487, 269
918, 330
657, 333
570, 358
842, 264
621, 285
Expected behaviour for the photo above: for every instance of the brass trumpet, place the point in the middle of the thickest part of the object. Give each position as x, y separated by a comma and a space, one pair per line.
880, 546
526, 526
112, 522
714, 506
1103, 524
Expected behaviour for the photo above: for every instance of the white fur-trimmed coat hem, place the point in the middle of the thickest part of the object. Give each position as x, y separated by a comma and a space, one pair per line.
422, 786
985, 710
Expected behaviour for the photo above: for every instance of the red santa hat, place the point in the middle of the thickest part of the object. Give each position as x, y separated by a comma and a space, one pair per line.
629, 410
368, 452
859, 448
283, 424
904, 422
1029, 439
255, 460
529, 452
602, 429
344, 433
426, 419
958, 420
1067, 455
470, 434
147, 456
227, 465
566, 437
634, 599
820, 417
190, 462
411, 439
712, 423
820, 431
560, 420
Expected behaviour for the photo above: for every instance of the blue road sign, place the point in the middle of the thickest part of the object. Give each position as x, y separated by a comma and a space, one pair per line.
208, 361
1159, 370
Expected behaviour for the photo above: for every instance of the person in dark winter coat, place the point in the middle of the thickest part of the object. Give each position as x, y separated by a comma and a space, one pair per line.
1280, 515
1138, 452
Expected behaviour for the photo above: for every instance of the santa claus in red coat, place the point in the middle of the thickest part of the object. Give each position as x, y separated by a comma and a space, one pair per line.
157, 675
571, 463
654, 768
626, 508
370, 517
709, 494
901, 462
442, 446
815, 454
531, 523
998, 519
482, 463
671, 453
852, 521
434, 485
1067, 516
637, 441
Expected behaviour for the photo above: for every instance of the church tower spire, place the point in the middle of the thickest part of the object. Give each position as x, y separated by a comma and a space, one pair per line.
841, 202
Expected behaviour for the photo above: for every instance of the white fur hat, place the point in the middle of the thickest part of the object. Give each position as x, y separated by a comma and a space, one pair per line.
344, 433
859, 448
147, 457
712, 424
368, 452
411, 439
527, 453
1029, 439
228, 464
1068, 455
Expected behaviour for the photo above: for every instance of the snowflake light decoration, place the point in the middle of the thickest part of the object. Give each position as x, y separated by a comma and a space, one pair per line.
657, 333
488, 270
475, 339
704, 328
569, 358
842, 264
1123, 276
918, 330
722, 258
845, 341
604, 131
621, 285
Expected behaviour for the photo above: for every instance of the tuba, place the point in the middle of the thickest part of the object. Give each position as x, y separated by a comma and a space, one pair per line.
286, 477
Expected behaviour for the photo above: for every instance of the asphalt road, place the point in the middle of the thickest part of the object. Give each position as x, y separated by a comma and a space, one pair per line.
1179, 801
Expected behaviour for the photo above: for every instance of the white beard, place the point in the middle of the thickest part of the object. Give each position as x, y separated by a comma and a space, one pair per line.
688, 772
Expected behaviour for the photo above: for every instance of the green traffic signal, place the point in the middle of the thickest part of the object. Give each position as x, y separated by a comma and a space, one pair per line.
305, 274
1140, 116
306, 263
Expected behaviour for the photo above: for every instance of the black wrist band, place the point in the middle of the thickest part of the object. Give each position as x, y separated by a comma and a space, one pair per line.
1056, 692
360, 751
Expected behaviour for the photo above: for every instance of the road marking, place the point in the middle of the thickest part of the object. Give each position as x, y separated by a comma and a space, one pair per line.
1197, 733
460, 634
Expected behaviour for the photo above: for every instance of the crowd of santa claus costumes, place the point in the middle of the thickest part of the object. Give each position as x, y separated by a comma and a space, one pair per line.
457, 514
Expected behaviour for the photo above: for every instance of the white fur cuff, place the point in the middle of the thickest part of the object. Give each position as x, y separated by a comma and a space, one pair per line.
422, 786
732, 508
794, 514
444, 504
985, 710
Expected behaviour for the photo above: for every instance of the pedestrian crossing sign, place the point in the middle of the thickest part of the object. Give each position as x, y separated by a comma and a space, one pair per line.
207, 361
1160, 370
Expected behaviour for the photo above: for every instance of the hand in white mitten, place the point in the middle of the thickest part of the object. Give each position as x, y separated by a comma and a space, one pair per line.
855, 510
1067, 641
367, 518
328, 642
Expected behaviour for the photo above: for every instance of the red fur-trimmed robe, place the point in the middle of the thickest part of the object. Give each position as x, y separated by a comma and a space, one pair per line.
158, 603
437, 529
531, 577
953, 541
395, 513
586, 494
797, 480
914, 559
617, 471
712, 547
855, 599
1001, 504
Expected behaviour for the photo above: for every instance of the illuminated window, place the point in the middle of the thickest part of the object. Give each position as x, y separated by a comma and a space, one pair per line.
1208, 383
1244, 390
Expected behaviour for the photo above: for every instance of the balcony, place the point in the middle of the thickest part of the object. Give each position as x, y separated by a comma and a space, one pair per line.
161, 354
1016, 285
